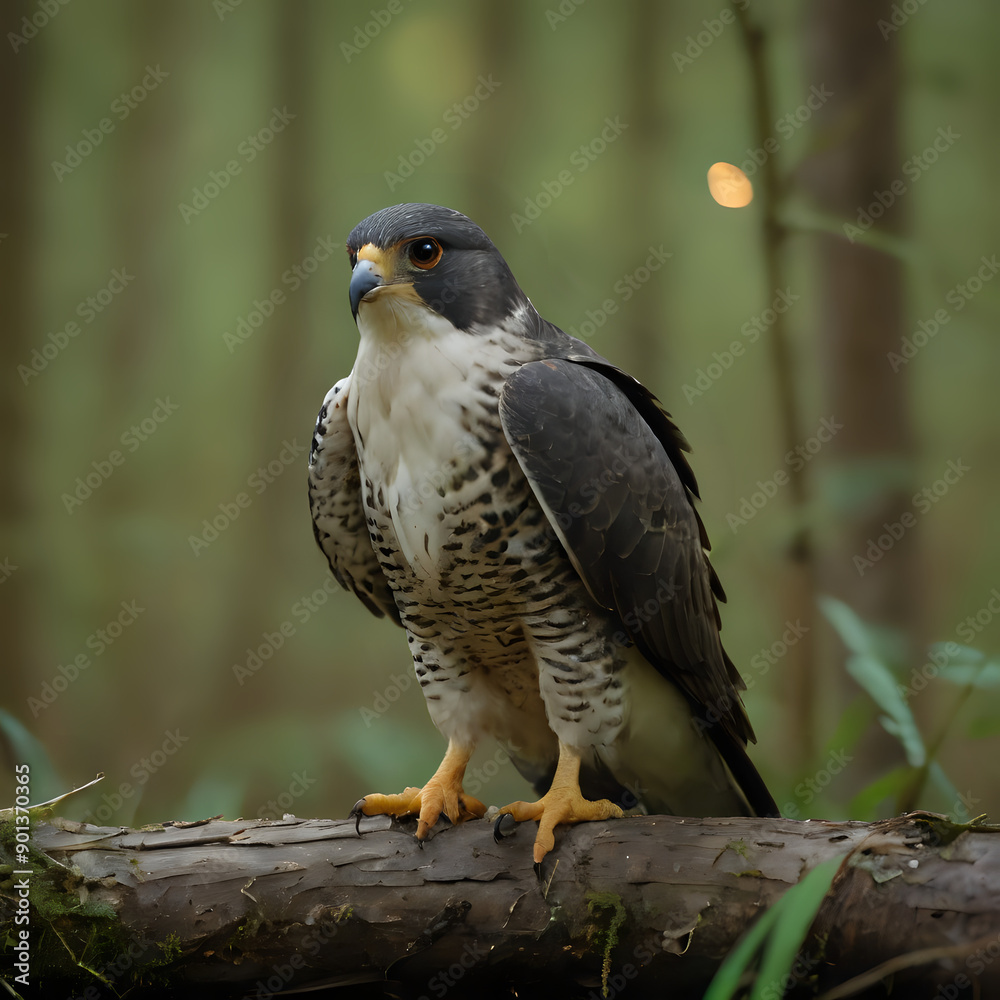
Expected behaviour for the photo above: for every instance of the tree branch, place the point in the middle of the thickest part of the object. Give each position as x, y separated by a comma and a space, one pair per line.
646, 901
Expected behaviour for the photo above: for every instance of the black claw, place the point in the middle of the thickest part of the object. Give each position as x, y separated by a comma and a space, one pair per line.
356, 813
498, 833
538, 870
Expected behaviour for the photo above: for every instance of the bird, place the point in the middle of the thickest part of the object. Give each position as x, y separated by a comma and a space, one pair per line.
525, 511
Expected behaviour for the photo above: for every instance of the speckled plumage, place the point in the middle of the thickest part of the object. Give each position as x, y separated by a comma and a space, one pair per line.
524, 511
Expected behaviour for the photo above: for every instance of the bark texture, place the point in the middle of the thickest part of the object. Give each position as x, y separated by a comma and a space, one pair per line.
255, 908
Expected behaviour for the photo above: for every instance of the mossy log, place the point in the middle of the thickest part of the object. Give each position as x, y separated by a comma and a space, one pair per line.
230, 908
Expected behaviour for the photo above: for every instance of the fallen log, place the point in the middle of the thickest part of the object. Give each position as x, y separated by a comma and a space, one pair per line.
257, 908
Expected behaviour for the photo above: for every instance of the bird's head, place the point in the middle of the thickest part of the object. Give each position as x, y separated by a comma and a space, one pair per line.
432, 257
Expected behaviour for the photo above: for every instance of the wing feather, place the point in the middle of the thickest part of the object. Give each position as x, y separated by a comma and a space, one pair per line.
606, 463
338, 516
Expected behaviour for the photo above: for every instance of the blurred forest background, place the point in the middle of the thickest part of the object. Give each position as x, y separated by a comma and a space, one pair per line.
173, 176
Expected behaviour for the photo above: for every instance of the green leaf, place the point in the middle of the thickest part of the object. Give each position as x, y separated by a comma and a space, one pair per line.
954, 652
798, 907
25, 748
965, 666
886, 644
864, 804
781, 929
853, 630
987, 675
727, 979
881, 684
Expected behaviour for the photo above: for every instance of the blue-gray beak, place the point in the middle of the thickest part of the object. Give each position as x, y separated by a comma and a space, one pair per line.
363, 280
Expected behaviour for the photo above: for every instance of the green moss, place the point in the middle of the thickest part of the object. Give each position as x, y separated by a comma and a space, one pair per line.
942, 831
739, 846
608, 913
75, 936
170, 950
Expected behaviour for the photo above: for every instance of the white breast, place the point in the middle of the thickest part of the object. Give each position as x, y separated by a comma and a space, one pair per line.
413, 410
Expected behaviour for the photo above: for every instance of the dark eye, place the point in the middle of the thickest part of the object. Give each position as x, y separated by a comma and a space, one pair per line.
425, 252
353, 257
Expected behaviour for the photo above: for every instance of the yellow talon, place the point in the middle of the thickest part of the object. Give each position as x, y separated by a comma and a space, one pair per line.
442, 794
562, 803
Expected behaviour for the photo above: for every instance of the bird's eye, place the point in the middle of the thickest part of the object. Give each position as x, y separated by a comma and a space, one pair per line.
425, 252
353, 257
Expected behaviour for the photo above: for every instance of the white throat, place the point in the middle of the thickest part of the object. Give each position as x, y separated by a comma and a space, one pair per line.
408, 410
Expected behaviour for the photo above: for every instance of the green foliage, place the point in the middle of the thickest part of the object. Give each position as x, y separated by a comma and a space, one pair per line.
26, 748
776, 937
867, 665
872, 664
963, 665
608, 913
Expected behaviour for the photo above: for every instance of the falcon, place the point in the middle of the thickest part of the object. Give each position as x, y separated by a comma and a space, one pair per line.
525, 511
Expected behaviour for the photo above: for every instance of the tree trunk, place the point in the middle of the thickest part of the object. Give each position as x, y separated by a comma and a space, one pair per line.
249, 907
861, 321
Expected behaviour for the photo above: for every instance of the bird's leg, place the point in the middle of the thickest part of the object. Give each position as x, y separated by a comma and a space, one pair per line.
442, 794
562, 803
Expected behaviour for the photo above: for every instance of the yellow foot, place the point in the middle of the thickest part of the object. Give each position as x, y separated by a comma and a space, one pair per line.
562, 803
442, 794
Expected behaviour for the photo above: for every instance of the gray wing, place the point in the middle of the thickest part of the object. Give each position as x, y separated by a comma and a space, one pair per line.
338, 516
607, 465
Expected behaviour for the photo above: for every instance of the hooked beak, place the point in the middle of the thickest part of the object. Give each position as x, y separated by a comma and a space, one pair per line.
365, 277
